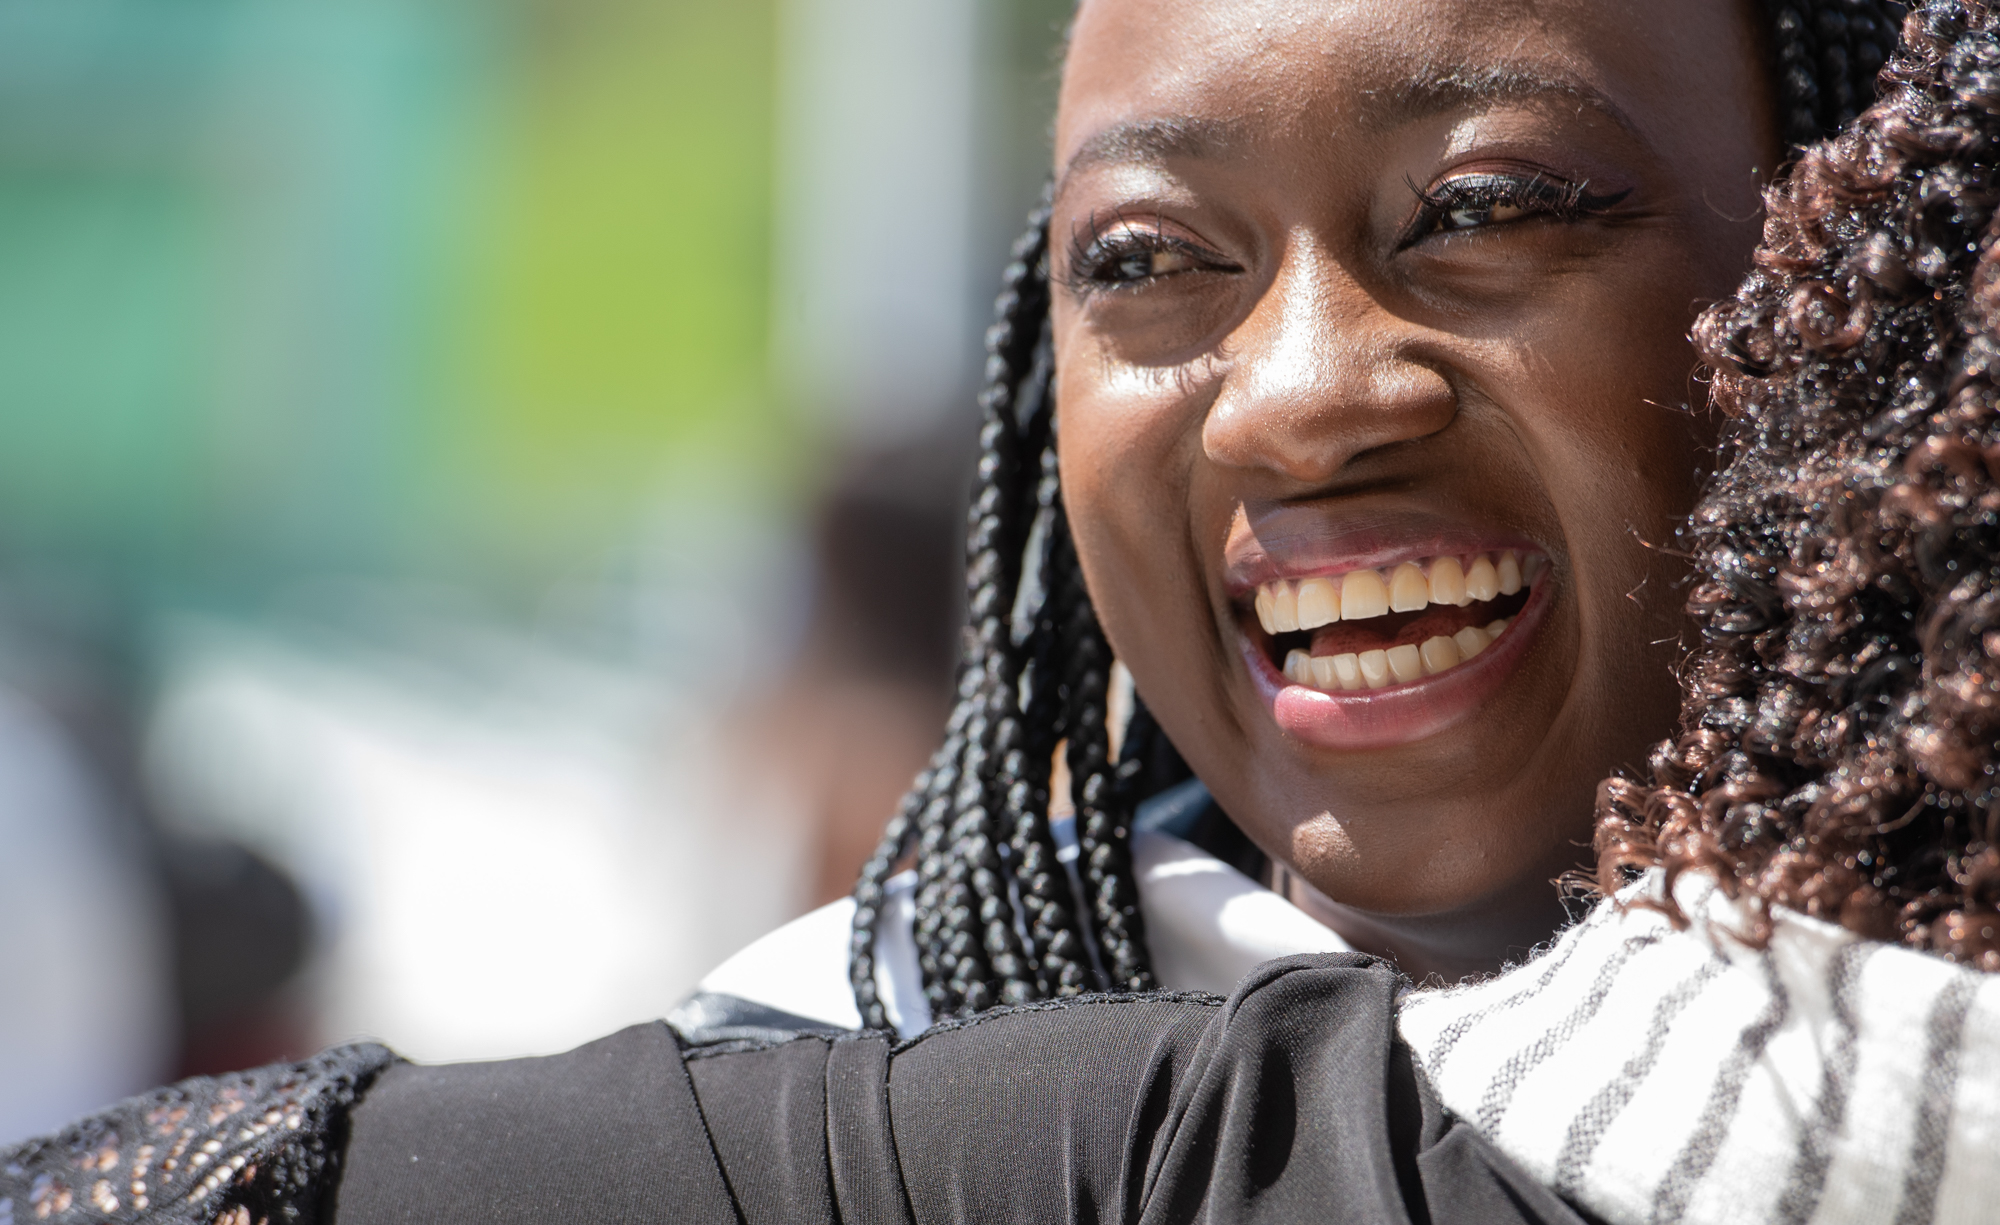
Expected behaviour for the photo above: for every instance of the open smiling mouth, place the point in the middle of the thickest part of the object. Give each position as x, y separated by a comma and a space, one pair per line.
1372, 629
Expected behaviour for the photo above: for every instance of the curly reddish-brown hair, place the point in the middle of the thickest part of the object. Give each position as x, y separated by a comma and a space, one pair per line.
1839, 751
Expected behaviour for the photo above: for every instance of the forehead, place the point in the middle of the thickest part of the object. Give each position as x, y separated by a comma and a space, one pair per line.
1192, 73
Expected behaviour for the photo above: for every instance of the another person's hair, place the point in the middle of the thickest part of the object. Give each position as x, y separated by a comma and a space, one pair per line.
997, 919
1840, 743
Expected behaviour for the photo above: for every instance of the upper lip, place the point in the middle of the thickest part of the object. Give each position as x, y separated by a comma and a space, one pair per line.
1300, 541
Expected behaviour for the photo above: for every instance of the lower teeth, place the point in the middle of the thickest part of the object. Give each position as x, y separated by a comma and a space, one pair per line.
1393, 665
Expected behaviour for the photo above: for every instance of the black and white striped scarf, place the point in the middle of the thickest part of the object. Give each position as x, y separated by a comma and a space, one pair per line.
1658, 1076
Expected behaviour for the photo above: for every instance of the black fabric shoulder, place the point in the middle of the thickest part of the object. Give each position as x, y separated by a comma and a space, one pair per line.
1291, 1100
607, 1133
242, 1149
1198, 999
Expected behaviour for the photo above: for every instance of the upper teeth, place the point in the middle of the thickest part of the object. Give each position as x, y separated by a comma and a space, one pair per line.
1286, 606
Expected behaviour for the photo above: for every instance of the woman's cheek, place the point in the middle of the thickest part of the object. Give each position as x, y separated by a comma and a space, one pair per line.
1125, 486
1623, 477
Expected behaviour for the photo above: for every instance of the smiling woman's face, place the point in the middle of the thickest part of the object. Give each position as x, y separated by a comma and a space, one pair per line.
1370, 327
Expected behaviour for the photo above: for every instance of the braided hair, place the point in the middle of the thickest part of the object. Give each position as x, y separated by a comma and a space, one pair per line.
1824, 56
998, 920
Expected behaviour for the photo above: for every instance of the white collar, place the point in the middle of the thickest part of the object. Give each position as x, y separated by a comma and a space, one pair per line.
1206, 923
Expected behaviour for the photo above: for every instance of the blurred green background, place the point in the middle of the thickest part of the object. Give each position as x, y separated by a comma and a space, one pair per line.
482, 477
409, 287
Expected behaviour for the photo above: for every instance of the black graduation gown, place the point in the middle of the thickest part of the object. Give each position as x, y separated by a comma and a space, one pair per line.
1292, 1100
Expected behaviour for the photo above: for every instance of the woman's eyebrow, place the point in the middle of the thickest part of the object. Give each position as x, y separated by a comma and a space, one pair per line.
1425, 93
1147, 142
1432, 91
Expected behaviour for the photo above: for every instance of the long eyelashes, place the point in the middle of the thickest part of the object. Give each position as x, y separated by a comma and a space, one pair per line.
1474, 201
1116, 250
1109, 253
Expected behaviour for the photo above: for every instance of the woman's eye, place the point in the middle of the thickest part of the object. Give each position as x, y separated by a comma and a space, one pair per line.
1126, 259
1476, 201
1465, 217
1138, 265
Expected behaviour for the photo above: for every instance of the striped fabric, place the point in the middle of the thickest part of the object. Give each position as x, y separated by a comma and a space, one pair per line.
1658, 1076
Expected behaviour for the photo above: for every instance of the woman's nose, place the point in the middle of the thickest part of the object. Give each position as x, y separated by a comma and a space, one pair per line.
1319, 373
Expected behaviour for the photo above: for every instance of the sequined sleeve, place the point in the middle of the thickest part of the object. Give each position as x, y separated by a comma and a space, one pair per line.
250, 1148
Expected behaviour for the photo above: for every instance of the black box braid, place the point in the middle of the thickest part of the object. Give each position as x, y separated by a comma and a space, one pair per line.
1824, 58
997, 921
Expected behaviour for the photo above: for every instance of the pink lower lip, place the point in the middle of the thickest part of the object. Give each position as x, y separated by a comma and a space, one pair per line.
1398, 714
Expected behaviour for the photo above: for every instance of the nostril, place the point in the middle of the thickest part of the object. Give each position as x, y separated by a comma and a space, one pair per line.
1308, 434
